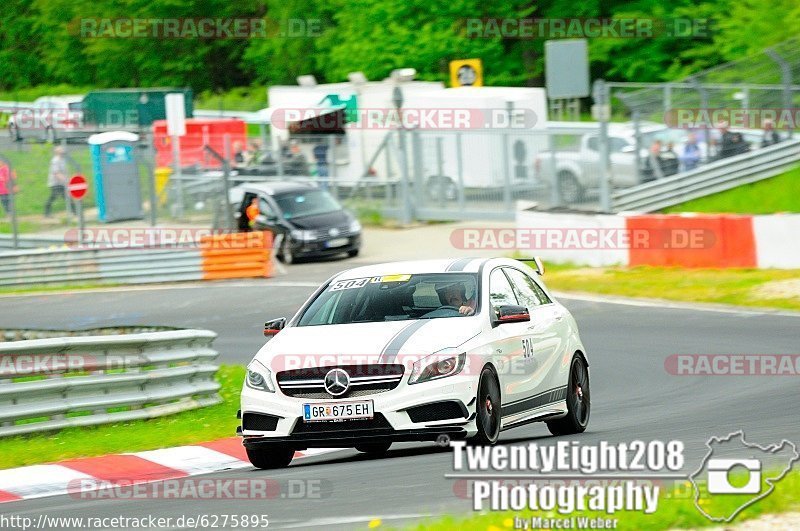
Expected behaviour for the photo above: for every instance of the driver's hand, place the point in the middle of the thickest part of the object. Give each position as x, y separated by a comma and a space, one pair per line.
466, 310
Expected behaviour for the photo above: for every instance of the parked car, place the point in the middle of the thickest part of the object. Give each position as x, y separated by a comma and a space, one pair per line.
578, 170
312, 222
49, 118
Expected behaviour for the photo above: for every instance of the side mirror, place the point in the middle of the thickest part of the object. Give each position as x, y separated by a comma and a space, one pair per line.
273, 327
511, 313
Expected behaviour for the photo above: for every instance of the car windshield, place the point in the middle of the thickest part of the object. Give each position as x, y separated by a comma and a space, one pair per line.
306, 203
393, 298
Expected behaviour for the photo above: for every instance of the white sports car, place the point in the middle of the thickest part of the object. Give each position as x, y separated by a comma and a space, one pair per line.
414, 351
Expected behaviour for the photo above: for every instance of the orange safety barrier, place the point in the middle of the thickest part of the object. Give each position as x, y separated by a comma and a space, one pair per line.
237, 255
692, 241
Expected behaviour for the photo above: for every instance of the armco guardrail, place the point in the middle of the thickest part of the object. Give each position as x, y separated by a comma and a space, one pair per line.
89, 380
710, 179
234, 255
30, 242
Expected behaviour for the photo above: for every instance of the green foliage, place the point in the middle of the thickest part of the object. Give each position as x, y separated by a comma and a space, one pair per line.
42, 41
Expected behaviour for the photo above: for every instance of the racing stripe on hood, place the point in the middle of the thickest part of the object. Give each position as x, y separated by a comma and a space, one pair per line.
459, 265
392, 348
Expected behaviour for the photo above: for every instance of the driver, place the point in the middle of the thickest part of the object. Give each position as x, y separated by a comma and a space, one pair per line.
455, 294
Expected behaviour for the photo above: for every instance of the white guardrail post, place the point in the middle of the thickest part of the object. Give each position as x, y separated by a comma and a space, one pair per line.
60, 382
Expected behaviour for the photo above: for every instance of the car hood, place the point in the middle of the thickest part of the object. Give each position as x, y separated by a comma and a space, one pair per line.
322, 221
361, 343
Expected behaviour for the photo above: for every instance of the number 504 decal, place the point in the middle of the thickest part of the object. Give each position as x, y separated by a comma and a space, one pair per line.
527, 348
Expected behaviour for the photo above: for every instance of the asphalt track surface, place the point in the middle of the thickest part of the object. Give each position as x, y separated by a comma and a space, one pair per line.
633, 397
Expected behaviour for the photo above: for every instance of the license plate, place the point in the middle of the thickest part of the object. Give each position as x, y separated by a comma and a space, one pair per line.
337, 411
338, 242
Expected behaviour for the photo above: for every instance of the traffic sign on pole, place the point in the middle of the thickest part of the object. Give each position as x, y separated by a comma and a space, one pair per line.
77, 187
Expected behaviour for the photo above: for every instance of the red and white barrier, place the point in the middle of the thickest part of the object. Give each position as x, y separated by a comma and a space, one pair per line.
685, 240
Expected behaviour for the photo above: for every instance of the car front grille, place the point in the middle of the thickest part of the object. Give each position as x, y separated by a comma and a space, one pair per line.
364, 380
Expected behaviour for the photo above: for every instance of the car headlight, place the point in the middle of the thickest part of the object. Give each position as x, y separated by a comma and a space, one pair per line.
303, 235
355, 226
435, 366
259, 377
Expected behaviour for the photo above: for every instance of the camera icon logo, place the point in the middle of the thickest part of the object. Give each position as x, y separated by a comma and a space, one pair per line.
719, 481
725, 486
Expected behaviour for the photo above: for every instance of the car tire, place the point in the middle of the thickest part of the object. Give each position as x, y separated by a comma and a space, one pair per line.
286, 255
579, 403
488, 409
353, 253
569, 189
374, 449
270, 457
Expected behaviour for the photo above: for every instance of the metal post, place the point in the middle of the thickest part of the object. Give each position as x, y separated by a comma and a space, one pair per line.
786, 80
332, 163
81, 223
637, 135
405, 208
667, 99
704, 105
460, 169
440, 170
226, 173
151, 168
176, 159
555, 196
601, 100
506, 166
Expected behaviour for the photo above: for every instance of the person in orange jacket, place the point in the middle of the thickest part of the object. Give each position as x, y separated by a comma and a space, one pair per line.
252, 212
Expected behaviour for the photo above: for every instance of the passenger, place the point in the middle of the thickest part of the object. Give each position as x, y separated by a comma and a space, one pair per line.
455, 294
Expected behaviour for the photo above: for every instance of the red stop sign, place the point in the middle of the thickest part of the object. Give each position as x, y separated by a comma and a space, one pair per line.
77, 187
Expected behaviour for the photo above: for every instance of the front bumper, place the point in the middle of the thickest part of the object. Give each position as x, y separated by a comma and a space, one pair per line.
392, 421
319, 248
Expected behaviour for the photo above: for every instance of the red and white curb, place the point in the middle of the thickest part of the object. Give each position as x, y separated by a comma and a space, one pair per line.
39, 481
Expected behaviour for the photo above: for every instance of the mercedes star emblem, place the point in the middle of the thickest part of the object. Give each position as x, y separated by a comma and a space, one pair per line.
337, 382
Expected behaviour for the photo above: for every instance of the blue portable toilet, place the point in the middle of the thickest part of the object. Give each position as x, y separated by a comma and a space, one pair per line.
118, 190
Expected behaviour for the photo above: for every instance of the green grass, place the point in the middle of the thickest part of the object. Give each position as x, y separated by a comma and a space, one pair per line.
189, 427
676, 509
54, 288
777, 194
723, 286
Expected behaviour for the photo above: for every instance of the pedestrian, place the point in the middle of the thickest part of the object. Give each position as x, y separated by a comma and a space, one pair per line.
691, 153
7, 186
652, 164
57, 181
252, 213
771, 136
728, 141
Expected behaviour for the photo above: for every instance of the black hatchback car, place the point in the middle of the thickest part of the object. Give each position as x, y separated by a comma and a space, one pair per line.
312, 222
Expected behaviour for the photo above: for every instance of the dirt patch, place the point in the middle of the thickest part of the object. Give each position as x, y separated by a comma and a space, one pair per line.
779, 289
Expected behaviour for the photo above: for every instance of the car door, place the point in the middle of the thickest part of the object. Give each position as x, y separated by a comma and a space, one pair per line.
506, 339
545, 335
